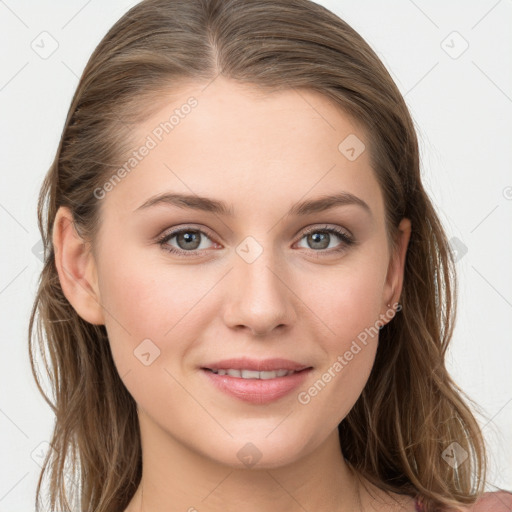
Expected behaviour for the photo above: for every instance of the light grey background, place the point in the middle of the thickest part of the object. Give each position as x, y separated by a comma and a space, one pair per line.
460, 99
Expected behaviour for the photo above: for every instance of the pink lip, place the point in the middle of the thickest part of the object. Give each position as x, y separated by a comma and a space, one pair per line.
254, 364
257, 391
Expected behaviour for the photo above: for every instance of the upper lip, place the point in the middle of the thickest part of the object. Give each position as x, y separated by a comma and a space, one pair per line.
244, 363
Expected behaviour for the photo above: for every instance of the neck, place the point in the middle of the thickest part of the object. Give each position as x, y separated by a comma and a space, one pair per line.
176, 476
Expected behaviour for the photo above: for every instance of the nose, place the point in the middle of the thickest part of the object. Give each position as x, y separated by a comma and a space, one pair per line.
259, 299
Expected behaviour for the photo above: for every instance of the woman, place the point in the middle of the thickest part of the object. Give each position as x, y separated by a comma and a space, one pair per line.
247, 294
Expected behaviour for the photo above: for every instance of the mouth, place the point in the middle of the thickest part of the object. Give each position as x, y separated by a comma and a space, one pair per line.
257, 382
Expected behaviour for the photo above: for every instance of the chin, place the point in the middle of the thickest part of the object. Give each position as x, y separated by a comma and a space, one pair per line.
261, 451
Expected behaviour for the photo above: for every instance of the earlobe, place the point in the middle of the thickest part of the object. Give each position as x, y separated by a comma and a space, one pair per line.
76, 268
395, 276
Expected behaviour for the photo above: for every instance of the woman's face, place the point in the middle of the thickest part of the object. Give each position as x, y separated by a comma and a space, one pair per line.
261, 278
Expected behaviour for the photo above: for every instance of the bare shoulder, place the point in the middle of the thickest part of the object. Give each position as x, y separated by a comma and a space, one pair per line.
500, 501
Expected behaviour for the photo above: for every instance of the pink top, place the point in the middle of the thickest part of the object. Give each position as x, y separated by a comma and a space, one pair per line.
500, 501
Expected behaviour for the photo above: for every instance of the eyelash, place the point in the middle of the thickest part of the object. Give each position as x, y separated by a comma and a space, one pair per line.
344, 237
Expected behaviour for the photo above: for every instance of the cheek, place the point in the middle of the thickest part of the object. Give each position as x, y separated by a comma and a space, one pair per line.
154, 311
349, 299
144, 302
349, 303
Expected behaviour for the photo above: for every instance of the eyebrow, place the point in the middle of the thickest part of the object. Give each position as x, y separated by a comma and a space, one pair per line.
218, 207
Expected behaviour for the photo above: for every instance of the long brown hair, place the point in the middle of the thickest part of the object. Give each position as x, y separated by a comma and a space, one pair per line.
410, 410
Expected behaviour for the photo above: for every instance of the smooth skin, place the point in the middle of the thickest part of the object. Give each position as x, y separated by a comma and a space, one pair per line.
260, 154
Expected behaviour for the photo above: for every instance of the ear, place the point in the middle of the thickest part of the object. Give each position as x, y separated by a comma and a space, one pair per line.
395, 275
76, 268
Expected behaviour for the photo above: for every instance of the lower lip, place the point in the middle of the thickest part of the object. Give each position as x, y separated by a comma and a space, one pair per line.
257, 391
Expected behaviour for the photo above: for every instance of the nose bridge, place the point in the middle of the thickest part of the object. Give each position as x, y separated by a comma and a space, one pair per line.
259, 298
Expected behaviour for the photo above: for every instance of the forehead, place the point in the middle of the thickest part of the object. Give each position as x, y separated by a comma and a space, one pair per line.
248, 146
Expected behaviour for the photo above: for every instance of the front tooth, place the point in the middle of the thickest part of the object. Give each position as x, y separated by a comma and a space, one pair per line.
250, 374
253, 374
